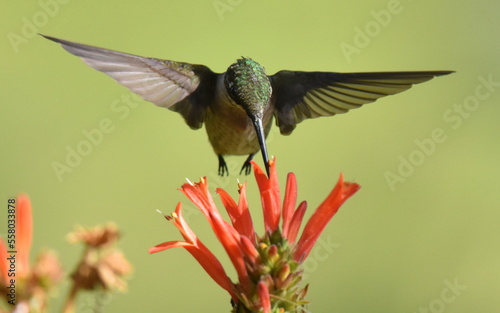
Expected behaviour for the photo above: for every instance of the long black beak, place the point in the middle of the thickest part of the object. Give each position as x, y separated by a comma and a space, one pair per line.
259, 129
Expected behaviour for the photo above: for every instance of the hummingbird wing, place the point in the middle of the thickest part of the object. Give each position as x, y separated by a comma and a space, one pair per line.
301, 95
181, 87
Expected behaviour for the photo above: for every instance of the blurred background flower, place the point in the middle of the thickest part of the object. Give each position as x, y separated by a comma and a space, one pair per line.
26, 288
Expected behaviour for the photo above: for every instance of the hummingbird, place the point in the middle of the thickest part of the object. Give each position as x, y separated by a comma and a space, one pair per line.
238, 106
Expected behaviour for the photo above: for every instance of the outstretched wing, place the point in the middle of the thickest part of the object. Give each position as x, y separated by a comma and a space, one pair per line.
181, 87
301, 95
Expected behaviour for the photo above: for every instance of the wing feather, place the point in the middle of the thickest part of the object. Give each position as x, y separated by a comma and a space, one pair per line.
174, 85
301, 95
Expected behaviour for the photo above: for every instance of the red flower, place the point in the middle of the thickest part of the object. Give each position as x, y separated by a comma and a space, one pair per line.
268, 267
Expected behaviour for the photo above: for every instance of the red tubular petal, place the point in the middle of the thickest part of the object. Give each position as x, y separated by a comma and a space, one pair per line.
248, 230
24, 233
229, 203
196, 195
249, 249
322, 216
265, 299
182, 226
198, 250
203, 185
230, 241
167, 245
215, 270
206, 259
289, 202
192, 240
4, 266
269, 194
239, 214
295, 223
199, 195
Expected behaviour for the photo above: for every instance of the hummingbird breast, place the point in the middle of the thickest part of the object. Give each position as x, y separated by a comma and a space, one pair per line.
229, 129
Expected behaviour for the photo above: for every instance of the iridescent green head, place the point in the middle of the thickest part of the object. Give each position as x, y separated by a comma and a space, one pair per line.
248, 85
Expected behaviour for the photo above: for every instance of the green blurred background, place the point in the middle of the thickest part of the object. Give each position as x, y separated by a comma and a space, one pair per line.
398, 243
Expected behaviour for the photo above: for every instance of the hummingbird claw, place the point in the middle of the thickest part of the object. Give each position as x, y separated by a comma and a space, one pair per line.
247, 166
223, 170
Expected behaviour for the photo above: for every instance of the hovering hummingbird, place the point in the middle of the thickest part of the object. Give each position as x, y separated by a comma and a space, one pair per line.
238, 106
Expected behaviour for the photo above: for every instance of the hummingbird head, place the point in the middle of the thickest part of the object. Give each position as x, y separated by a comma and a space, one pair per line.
248, 86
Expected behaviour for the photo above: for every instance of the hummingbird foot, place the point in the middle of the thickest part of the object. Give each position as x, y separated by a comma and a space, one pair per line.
222, 166
247, 166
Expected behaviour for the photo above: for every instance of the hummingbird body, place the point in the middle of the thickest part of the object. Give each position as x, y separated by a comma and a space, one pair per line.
229, 129
238, 106
240, 117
